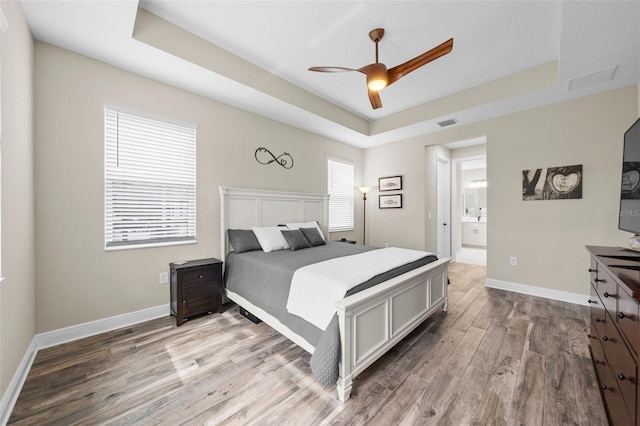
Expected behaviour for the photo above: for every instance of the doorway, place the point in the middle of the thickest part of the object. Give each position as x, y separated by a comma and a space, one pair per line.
471, 188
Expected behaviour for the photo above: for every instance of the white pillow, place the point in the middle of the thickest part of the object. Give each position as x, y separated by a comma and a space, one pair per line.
313, 224
270, 238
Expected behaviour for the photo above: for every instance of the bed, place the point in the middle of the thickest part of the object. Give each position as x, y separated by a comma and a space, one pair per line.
369, 321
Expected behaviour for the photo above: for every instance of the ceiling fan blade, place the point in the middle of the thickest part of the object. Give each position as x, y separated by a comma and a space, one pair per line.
374, 97
330, 69
401, 70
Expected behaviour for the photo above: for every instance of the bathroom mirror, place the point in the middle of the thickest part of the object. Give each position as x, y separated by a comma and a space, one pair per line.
475, 200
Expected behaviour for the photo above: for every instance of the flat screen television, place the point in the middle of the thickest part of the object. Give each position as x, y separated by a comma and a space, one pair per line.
629, 215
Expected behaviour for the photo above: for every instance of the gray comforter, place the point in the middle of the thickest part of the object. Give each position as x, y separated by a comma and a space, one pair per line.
265, 278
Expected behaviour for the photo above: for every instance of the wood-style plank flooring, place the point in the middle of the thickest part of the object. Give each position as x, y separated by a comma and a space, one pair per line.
495, 358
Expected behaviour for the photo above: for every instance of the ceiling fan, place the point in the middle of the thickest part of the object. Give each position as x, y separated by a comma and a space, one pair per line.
379, 77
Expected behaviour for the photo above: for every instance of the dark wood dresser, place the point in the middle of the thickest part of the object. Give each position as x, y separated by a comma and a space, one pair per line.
615, 330
196, 288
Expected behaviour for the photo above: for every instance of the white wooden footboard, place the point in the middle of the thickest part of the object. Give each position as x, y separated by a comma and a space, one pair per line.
374, 320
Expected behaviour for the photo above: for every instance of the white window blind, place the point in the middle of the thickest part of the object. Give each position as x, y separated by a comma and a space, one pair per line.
340, 196
150, 181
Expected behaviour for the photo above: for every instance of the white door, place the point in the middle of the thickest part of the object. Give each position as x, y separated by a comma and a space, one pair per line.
443, 183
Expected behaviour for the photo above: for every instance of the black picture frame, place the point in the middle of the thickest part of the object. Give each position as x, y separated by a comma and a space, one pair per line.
391, 201
390, 183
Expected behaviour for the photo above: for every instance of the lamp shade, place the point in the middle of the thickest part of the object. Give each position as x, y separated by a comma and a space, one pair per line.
364, 189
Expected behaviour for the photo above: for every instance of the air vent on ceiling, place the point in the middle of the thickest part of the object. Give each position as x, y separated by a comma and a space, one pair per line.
592, 79
448, 122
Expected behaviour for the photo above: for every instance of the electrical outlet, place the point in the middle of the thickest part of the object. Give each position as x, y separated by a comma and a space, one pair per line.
513, 261
164, 277
386, 245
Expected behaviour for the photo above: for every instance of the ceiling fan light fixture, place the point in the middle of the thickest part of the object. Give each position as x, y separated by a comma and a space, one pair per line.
376, 85
377, 77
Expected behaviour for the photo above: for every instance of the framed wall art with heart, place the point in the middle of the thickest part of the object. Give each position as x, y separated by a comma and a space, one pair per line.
552, 183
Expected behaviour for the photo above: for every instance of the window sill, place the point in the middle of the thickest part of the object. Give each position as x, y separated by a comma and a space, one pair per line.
149, 245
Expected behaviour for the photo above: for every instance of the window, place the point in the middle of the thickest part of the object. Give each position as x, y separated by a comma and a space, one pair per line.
340, 196
150, 181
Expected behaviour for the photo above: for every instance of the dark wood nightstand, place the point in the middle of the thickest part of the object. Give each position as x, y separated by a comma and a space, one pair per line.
344, 240
196, 288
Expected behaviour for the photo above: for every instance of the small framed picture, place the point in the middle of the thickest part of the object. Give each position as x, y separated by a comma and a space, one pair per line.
392, 183
390, 201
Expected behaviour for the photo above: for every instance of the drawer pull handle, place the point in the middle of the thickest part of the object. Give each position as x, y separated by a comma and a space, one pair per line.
595, 361
200, 276
597, 320
622, 377
621, 315
605, 338
591, 301
606, 294
604, 387
590, 336
598, 280
593, 270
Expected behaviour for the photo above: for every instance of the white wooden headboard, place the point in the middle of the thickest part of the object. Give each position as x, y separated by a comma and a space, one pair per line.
243, 208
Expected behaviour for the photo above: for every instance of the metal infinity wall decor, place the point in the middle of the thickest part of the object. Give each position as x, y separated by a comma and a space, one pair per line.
264, 156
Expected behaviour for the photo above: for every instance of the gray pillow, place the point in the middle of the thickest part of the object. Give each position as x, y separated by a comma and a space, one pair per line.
296, 239
313, 236
243, 240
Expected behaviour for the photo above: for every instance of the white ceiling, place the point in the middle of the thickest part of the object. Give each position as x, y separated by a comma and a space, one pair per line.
272, 44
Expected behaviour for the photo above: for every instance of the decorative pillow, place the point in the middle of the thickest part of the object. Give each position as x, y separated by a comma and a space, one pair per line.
296, 239
312, 224
313, 236
270, 238
243, 240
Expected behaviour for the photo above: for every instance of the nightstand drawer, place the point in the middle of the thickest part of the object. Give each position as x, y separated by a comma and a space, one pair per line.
198, 276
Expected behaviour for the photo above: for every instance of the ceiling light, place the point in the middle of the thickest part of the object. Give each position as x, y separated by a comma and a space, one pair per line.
377, 77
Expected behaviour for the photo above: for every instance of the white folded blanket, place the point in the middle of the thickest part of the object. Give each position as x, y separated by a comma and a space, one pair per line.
316, 288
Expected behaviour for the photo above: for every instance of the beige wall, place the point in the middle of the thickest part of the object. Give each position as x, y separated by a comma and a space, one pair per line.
76, 280
548, 237
17, 315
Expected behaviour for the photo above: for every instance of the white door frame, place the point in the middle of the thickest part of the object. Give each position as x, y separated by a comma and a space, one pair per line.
443, 164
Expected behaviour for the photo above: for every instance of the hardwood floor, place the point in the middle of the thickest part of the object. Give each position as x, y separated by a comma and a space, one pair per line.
495, 358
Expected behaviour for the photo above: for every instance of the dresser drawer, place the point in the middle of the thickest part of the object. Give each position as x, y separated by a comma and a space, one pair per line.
597, 355
598, 314
593, 271
615, 405
627, 319
198, 276
621, 363
607, 289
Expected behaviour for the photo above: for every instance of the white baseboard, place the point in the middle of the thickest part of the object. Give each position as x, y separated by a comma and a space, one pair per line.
64, 335
15, 386
80, 331
547, 293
